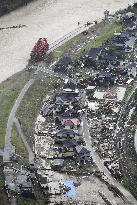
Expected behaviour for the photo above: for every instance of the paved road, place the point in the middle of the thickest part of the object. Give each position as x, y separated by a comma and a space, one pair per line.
129, 199
135, 140
13, 201
1, 152
23, 137
8, 146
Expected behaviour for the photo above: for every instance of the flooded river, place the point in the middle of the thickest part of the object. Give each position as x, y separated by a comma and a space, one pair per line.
45, 18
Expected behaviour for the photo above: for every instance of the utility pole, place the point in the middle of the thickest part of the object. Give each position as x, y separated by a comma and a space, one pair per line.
106, 13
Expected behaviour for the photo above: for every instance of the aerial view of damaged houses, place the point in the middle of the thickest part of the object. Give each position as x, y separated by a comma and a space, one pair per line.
68, 121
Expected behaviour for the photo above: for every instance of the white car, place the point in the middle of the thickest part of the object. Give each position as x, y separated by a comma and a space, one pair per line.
129, 49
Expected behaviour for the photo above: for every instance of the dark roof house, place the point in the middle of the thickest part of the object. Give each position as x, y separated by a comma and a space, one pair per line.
94, 53
66, 132
70, 113
70, 85
90, 59
57, 164
129, 17
82, 153
105, 78
70, 143
63, 63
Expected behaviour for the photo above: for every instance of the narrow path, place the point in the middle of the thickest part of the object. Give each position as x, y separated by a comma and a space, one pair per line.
135, 140
23, 137
129, 199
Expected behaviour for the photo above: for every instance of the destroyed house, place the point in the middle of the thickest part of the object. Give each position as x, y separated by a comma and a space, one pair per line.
131, 26
72, 123
68, 124
128, 67
59, 101
104, 78
65, 134
69, 86
57, 164
42, 179
129, 17
90, 59
47, 109
26, 187
69, 144
113, 57
70, 113
67, 97
120, 39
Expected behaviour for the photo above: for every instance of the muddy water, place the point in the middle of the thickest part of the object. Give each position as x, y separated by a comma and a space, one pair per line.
45, 18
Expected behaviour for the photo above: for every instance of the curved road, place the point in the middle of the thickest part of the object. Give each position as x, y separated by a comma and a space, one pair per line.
8, 149
129, 199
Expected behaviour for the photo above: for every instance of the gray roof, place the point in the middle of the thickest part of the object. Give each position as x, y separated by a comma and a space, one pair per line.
57, 162
70, 143
66, 131
81, 149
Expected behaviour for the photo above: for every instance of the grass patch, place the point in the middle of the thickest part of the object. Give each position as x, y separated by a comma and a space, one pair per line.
3, 196
129, 187
22, 154
109, 29
9, 90
31, 104
1, 181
